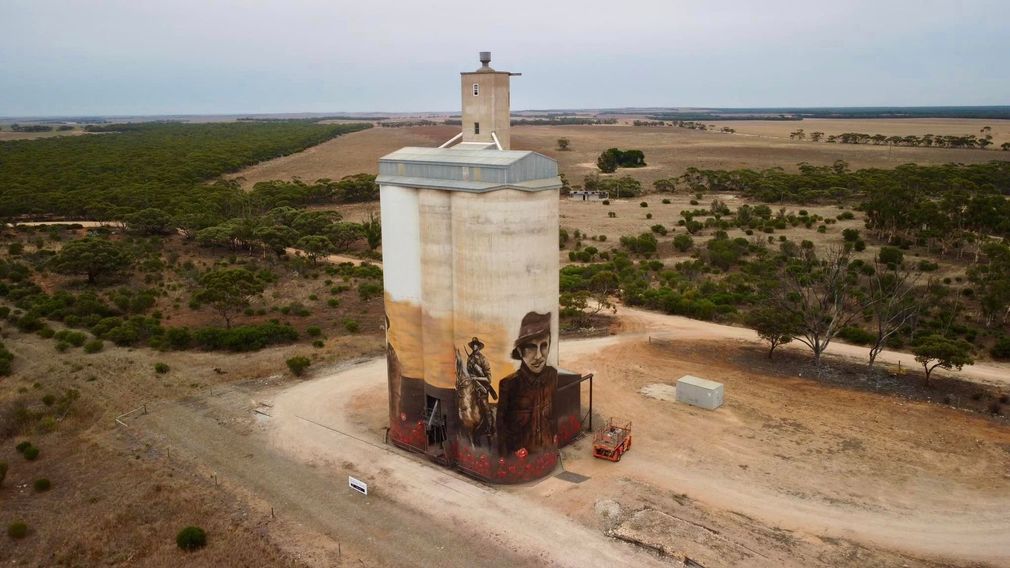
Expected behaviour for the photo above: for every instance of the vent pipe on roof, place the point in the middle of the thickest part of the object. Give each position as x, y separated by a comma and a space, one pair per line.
485, 58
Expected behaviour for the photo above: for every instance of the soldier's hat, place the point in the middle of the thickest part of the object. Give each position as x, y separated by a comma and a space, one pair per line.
476, 344
533, 325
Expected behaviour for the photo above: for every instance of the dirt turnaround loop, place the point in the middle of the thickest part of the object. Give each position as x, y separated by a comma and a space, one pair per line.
789, 472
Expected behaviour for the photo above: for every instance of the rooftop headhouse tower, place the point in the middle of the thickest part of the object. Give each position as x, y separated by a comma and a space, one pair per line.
485, 94
470, 257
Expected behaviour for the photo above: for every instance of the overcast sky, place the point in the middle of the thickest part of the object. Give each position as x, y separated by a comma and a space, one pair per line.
231, 56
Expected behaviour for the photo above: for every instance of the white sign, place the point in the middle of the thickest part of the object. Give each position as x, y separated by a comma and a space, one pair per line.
357, 485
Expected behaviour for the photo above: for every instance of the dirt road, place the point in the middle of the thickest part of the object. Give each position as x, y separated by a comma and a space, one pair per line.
332, 421
832, 469
685, 329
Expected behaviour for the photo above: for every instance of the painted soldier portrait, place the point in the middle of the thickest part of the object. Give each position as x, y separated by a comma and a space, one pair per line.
473, 387
526, 397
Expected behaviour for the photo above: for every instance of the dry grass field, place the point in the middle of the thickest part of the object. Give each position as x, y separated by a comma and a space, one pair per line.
669, 151
8, 134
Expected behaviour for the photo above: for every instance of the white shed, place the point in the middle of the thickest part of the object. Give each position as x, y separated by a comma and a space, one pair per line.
699, 392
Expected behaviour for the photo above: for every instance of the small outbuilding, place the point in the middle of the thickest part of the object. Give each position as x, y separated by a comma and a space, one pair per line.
699, 392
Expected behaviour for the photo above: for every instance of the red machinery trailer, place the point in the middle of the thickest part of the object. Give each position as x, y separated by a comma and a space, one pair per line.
610, 442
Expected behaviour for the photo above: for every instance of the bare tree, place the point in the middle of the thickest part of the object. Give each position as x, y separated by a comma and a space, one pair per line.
823, 295
894, 301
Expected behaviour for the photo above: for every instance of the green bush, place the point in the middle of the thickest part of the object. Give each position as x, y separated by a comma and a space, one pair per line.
62, 346
351, 325
298, 364
313, 331
93, 346
6, 361
245, 337
191, 538
178, 338
666, 202
683, 243
48, 400
643, 204
1001, 350
21, 447
161, 368
369, 290
17, 530
319, 343
857, 336
31, 453
41, 485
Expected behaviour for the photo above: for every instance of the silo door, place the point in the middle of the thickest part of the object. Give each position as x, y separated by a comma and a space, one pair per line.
434, 423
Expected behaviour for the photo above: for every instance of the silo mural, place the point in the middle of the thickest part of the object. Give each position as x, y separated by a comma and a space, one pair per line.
470, 250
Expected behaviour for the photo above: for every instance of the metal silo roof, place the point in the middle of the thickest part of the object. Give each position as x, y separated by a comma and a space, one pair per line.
469, 169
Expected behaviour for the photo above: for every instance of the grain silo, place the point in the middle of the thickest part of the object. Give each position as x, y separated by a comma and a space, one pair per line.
470, 253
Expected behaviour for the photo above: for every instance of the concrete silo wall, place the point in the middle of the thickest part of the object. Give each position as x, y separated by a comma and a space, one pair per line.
505, 275
404, 341
485, 331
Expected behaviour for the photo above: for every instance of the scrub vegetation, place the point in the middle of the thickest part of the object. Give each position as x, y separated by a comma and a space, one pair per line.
124, 168
929, 270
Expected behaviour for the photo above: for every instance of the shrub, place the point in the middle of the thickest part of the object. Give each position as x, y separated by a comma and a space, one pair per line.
859, 245
191, 538
161, 368
178, 338
42, 484
666, 202
1001, 350
643, 204
313, 331
298, 364
856, 335
319, 343
351, 325
611, 214
683, 243
244, 338
891, 256
369, 290
62, 346
75, 338
606, 202
333, 303
648, 215
93, 346
17, 530
48, 400
23, 446
31, 453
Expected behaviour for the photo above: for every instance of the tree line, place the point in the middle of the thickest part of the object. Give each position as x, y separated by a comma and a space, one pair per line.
968, 141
